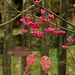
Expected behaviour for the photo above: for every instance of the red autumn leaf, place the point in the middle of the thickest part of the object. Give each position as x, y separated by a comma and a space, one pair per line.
45, 63
29, 61
20, 51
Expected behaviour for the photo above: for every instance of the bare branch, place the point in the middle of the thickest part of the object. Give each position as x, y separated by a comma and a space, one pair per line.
18, 15
55, 15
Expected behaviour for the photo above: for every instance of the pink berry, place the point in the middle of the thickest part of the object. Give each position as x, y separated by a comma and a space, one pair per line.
35, 29
74, 5
40, 24
52, 26
68, 40
48, 20
43, 11
58, 32
40, 34
72, 41
51, 16
27, 17
41, 18
63, 32
22, 20
36, 2
64, 47
46, 30
25, 31
24, 23
34, 34
54, 33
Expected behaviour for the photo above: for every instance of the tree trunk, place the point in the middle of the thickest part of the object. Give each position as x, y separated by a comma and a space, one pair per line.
62, 53
2, 14
23, 59
7, 41
25, 39
46, 40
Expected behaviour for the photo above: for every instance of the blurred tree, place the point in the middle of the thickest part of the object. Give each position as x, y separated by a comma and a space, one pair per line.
25, 37
44, 43
62, 53
7, 40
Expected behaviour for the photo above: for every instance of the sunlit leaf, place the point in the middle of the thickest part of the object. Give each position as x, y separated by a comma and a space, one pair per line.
45, 63
29, 61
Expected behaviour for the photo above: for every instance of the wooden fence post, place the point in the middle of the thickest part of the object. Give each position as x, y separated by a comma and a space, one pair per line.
62, 53
7, 41
46, 40
25, 38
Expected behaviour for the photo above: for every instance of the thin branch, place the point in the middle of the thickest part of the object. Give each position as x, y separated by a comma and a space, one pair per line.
31, 11
62, 27
64, 63
71, 55
54, 14
58, 26
18, 15
18, 10
11, 5
10, 11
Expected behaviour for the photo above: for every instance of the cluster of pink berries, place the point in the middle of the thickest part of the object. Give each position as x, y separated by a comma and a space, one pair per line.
43, 11
51, 16
52, 31
68, 40
39, 34
64, 47
35, 25
44, 20
25, 31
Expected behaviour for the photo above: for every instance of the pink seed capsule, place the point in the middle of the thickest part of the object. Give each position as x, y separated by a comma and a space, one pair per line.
68, 40
46, 30
72, 41
43, 11
34, 34
74, 5
36, 2
51, 16
64, 47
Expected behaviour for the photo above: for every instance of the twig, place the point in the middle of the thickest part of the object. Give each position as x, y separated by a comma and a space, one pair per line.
54, 14
10, 11
58, 26
50, 22
64, 63
11, 6
71, 56
18, 15
62, 27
